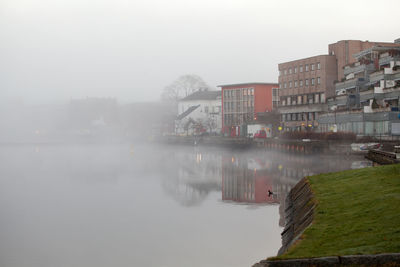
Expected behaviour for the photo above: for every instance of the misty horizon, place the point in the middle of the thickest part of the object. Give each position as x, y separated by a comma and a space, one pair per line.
53, 51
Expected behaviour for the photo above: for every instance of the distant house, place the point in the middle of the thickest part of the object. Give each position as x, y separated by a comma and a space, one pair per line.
199, 112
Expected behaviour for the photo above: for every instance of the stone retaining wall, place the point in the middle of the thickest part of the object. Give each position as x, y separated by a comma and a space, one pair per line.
299, 213
388, 259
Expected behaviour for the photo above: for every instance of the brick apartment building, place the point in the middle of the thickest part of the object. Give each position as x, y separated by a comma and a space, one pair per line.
241, 103
345, 50
305, 84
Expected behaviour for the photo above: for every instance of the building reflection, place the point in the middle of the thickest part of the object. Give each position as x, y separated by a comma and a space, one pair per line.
245, 177
247, 180
192, 175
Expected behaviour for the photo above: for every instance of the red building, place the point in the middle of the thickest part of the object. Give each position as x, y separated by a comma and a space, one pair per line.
247, 181
241, 103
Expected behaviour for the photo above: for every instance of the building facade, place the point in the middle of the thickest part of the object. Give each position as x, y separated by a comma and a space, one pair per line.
305, 84
242, 102
345, 49
367, 100
303, 87
199, 112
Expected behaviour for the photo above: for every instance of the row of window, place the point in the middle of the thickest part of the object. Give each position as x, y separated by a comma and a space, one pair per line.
303, 99
307, 67
362, 128
238, 92
239, 106
238, 119
206, 109
307, 116
299, 83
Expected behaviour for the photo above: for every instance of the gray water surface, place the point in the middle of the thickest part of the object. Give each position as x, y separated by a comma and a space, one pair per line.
137, 205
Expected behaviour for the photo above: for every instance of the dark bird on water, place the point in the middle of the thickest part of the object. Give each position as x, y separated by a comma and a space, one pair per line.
270, 193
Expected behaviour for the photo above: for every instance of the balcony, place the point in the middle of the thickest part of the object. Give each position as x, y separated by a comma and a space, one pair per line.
303, 108
386, 60
376, 76
357, 69
349, 84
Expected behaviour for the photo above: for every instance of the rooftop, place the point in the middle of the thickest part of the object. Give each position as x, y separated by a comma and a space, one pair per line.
377, 48
244, 84
187, 112
203, 95
303, 59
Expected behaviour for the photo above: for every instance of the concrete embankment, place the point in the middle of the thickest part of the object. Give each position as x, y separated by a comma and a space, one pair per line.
387, 259
299, 214
382, 157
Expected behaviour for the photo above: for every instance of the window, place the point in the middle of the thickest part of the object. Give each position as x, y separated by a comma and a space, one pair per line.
310, 99
322, 97
306, 67
284, 72
295, 69
299, 100
283, 102
301, 83
284, 85
318, 66
312, 67
290, 70
318, 80
290, 84
312, 81
316, 98
301, 68
288, 101
206, 109
304, 99
306, 82
295, 84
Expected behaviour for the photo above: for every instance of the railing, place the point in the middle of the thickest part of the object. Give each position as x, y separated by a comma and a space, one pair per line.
360, 68
386, 60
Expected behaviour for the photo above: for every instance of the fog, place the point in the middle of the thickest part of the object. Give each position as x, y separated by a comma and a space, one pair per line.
55, 50
145, 205
83, 178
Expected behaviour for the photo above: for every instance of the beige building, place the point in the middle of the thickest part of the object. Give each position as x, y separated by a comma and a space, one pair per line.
303, 87
345, 50
305, 84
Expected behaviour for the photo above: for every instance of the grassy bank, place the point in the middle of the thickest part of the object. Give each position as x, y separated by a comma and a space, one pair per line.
358, 212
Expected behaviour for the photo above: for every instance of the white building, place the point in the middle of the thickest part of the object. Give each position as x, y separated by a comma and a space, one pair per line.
199, 112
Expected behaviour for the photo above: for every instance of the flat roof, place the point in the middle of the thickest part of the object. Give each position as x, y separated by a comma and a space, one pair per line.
300, 59
242, 84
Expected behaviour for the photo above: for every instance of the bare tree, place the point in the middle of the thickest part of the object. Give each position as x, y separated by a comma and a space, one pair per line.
184, 86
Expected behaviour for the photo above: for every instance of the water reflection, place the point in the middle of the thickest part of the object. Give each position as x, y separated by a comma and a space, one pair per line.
140, 205
247, 177
195, 173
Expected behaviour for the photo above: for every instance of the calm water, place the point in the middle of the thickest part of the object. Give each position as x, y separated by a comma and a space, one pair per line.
136, 205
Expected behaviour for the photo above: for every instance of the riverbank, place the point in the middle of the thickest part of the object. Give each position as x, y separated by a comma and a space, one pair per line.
356, 213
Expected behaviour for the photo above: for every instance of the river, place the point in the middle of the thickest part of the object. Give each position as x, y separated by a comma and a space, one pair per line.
146, 205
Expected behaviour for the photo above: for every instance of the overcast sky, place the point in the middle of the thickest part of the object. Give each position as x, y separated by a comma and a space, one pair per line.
54, 50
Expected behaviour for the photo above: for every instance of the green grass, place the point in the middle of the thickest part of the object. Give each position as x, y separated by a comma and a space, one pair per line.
358, 212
